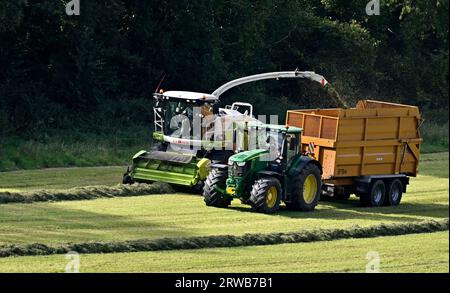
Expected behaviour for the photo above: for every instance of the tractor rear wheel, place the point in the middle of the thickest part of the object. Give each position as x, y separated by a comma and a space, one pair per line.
213, 191
265, 196
306, 189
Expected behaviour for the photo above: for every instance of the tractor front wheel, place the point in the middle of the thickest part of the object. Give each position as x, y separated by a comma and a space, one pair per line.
265, 196
306, 189
214, 189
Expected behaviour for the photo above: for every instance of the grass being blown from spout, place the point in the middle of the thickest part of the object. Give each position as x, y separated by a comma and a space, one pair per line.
83, 193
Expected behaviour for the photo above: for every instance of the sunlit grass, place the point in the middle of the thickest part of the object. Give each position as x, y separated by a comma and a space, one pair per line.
408, 253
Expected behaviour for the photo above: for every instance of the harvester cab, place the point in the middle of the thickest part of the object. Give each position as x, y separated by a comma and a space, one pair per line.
173, 113
274, 171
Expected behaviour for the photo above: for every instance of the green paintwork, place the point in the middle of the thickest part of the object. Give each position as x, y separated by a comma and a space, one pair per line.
296, 163
189, 174
247, 155
238, 184
150, 170
158, 136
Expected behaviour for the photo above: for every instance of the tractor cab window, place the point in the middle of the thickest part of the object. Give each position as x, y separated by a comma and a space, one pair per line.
275, 144
291, 146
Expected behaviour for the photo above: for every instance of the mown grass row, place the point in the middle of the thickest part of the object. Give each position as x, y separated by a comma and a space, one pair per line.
83, 193
227, 240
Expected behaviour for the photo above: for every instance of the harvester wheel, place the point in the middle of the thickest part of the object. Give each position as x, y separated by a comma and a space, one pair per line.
306, 189
198, 188
394, 191
215, 185
375, 196
265, 196
127, 178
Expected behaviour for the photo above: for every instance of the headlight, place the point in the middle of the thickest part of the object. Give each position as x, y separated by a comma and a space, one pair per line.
241, 164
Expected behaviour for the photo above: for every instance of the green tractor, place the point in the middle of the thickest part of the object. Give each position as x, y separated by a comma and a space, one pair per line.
266, 176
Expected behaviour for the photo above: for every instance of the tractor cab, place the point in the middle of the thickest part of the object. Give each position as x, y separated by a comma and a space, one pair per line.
274, 171
276, 146
281, 141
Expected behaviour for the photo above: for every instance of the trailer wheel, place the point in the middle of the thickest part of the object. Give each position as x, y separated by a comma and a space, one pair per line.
215, 184
265, 196
306, 189
394, 193
376, 195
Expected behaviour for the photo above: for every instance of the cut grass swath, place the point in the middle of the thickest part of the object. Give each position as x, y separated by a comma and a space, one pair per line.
227, 240
87, 192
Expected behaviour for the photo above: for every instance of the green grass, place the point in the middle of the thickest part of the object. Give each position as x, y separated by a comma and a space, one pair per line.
60, 178
435, 136
73, 148
408, 253
181, 215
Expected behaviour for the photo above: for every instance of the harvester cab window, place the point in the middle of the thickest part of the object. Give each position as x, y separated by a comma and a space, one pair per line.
206, 110
178, 115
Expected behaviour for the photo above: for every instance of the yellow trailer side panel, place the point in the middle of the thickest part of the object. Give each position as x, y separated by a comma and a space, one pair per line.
374, 138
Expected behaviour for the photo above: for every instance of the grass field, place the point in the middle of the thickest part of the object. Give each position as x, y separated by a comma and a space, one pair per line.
408, 253
60, 178
184, 215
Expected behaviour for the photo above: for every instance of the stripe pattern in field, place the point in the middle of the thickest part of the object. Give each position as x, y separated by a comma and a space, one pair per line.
227, 240
83, 193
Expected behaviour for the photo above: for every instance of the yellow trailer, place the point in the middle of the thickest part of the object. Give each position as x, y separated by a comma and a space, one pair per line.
369, 150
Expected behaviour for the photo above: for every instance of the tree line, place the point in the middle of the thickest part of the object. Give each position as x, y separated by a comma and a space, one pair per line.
61, 71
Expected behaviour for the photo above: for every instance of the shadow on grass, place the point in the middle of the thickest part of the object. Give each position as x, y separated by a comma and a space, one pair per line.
351, 210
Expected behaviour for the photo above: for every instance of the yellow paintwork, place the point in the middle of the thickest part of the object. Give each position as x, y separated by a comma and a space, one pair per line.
310, 188
271, 196
231, 190
203, 168
374, 138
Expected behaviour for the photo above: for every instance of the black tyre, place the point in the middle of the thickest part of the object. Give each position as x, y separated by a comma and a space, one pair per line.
265, 196
198, 188
394, 192
375, 196
306, 189
215, 184
127, 178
